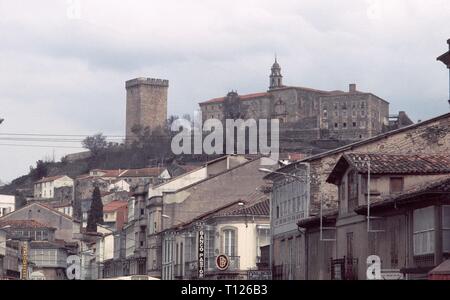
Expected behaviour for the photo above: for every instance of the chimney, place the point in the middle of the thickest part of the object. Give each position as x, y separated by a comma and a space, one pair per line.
352, 88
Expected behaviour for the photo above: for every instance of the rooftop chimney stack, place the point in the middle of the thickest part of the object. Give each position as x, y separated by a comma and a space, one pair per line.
352, 88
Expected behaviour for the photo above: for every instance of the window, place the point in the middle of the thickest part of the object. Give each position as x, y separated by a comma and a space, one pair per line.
336, 125
363, 113
325, 113
278, 211
423, 232
396, 185
350, 245
263, 237
344, 125
229, 242
446, 228
354, 124
352, 190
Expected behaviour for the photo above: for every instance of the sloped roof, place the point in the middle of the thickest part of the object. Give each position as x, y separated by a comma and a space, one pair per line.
401, 164
241, 97
144, 172
114, 205
49, 179
255, 204
42, 205
23, 224
357, 144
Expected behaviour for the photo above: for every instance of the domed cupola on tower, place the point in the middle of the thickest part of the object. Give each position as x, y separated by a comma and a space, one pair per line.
276, 79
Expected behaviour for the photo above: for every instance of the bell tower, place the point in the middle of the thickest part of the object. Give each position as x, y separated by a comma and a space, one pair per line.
276, 79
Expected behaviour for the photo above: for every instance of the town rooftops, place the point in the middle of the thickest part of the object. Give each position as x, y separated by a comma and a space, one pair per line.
22, 224
114, 205
355, 145
50, 179
407, 164
255, 204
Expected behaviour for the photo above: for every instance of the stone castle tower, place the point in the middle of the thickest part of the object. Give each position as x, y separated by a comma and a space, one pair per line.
146, 104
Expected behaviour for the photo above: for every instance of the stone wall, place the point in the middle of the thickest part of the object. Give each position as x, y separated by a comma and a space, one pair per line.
146, 103
427, 137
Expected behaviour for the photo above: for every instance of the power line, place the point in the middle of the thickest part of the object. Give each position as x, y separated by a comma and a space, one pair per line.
58, 135
41, 146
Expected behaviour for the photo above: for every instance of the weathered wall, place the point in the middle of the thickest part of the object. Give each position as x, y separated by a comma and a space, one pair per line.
433, 137
146, 103
64, 225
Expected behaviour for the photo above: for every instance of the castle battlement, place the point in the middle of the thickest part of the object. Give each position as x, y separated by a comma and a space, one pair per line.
147, 81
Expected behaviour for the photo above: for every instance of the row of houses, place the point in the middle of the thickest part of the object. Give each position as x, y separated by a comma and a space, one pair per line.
385, 197
382, 201
226, 198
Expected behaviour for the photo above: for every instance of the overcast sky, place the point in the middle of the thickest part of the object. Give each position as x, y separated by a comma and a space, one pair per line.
62, 70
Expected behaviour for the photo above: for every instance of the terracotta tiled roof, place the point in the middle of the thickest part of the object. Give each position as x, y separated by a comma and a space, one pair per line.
114, 205
241, 97
256, 205
400, 164
49, 179
23, 224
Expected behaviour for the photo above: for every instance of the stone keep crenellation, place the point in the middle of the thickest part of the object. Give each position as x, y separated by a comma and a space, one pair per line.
146, 104
147, 81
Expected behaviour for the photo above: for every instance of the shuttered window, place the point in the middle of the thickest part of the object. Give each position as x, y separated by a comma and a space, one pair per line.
396, 184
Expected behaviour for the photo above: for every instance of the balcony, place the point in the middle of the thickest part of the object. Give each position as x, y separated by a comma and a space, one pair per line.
345, 268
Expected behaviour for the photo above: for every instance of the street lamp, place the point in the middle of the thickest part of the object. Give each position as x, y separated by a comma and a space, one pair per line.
445, 59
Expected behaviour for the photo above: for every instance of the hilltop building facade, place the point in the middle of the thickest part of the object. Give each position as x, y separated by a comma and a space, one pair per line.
306, 113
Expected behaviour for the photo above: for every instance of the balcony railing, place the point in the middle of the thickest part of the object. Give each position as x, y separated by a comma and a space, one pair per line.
345, 268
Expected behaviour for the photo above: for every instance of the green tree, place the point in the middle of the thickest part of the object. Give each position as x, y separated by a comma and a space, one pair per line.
95, 143
95, 215
40, 171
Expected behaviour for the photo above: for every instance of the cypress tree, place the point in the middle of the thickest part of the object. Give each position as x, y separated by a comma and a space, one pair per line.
95, 212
